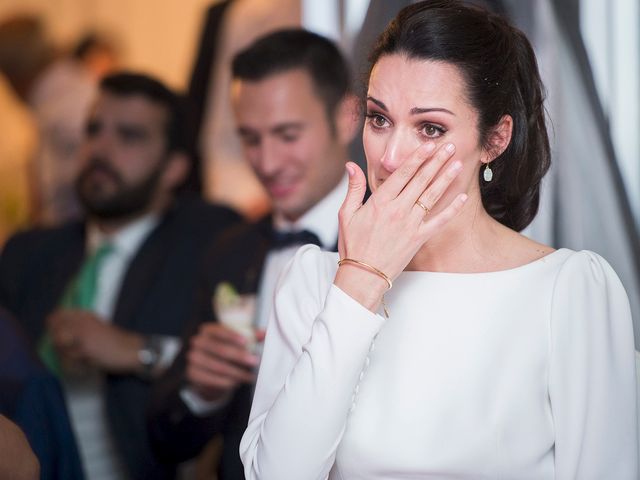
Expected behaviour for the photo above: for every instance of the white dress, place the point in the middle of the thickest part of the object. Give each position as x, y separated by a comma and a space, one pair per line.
527, 373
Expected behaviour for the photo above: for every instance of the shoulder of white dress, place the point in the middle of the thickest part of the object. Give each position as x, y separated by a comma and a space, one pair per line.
310, 259
587, 276
588, 265
311, 270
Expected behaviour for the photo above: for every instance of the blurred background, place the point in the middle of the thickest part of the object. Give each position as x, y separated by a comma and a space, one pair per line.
52, 52
156, 36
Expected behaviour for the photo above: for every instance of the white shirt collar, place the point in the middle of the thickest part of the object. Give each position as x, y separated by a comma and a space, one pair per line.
321, 219
128, 239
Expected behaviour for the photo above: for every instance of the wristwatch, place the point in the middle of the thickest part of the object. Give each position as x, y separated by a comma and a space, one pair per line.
149, 355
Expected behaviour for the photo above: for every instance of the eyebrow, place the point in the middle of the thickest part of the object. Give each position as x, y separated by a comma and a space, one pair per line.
282, 128
278, 129
414, 110
131, 129
242, 131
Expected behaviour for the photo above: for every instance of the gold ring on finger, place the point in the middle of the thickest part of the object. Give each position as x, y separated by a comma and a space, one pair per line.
423, 207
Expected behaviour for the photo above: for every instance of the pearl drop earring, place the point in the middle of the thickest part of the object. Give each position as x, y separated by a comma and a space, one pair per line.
488, 173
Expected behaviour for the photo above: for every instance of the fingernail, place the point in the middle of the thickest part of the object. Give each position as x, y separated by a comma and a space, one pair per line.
464, 197
429, 147
450, 147
253, 360
350, 170
457, 165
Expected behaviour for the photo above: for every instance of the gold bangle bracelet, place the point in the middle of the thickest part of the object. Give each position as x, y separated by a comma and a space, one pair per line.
367, 267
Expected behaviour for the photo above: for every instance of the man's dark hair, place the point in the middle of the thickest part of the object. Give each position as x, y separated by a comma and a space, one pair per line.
127, 84
289, 49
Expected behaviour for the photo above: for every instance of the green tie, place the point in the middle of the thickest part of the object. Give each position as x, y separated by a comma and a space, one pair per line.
81, 294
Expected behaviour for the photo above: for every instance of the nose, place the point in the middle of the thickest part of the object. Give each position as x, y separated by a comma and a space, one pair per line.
268, 158
398, 149
97, 143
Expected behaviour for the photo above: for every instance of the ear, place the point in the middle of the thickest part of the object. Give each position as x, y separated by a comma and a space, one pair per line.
499, 139
176, 170
347, 118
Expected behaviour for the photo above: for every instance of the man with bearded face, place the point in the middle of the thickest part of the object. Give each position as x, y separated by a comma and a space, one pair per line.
105, 299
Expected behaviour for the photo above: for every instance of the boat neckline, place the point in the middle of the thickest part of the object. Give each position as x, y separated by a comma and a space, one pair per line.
519, 268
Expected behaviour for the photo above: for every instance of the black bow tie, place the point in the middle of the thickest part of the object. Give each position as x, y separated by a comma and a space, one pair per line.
287, 239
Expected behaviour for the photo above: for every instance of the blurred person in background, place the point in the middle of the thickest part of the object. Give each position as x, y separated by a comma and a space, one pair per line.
231, 26
106, 297
31, 396
295, 114
25, 52
60, 99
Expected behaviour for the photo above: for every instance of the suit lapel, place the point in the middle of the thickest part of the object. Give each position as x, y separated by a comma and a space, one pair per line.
253, 271
142, 272
66, 265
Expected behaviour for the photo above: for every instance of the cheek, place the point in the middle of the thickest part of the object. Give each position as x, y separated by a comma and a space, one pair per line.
468, 153
137, 161
252, 155
310, 153
85, 153
374, 147
373, 151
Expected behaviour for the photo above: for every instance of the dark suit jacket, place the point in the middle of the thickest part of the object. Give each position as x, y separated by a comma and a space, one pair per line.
155, 298
176, 433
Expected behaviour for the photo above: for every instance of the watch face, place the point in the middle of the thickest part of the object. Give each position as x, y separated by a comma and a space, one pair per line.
151, 355
147, 356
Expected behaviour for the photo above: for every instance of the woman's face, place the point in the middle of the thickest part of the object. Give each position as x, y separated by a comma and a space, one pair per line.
411, 102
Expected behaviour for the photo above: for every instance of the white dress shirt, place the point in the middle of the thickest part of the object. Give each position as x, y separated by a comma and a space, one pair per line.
85, 393
526, 373
321, 219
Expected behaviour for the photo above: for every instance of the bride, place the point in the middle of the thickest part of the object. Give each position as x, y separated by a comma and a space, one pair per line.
440, 342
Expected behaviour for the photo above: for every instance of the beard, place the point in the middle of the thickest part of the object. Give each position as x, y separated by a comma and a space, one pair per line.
119, 203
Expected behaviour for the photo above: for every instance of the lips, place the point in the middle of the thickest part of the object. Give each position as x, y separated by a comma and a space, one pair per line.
280, 189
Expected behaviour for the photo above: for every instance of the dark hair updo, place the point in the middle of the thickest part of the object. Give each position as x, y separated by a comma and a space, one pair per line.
501, 73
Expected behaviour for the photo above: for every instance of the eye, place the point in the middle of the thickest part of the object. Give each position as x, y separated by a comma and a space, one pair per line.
377, 121
93, 128
288, 138
290, 133
132, 134
249, 139
431, 130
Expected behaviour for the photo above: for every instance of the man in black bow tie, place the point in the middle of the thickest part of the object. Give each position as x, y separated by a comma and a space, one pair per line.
296, 116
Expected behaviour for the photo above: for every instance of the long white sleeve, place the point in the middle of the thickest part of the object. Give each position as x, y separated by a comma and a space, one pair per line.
316, 348
539, 382
592, 379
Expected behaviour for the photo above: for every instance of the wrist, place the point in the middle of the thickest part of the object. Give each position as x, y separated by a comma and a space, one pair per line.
148, 355
121, 354
364, 286
212, 395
